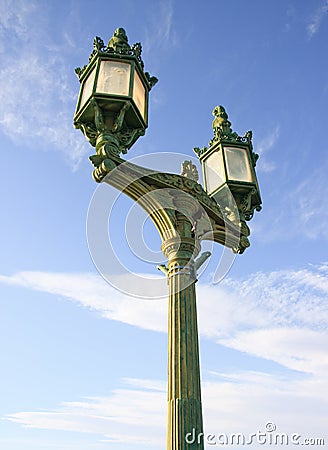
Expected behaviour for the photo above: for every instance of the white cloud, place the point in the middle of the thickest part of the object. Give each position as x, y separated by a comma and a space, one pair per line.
265, 300
93, 292
14, 17
136, 412
160, 32
310, 204
35, 85
293, 404
263, 147
281, 316
128, 415
302, 210
317, 18
296, 348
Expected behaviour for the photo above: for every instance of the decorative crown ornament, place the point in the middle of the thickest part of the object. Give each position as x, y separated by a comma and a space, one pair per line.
223, 132
118, 45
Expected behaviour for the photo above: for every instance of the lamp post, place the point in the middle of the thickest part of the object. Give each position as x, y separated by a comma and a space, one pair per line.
112, 112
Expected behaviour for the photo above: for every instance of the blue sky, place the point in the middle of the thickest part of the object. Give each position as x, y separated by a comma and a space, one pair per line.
83, 365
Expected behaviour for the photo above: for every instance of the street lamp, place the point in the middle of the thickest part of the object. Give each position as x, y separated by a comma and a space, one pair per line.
112, 106
229, 168
112, 112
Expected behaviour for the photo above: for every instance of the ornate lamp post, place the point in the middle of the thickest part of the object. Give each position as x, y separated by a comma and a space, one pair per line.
112, 112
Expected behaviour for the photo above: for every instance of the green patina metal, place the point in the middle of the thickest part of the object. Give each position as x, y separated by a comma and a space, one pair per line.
183, 212
112, 122
245, 194
118, 46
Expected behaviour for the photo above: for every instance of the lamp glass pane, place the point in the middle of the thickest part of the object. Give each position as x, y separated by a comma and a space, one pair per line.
139, 94
214, 171
87, 87
114, 78
237, 163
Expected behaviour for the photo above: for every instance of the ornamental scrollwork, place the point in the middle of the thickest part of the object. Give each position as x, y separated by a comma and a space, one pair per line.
80, 71
189, 170
200, 151
128, 135
209, 221
98, 46
118, 45
191, 187
245, 205
151, 79
89, 130
111, 142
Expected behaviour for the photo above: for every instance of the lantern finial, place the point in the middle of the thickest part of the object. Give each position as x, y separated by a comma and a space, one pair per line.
221, 121
119, 42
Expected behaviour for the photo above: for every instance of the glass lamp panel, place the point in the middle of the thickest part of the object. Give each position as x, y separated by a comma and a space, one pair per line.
139, 94
114, 78
214, 171
87, 87
237, 163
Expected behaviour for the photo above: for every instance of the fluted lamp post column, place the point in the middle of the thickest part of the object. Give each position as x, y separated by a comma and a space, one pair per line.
112, 113
184, 393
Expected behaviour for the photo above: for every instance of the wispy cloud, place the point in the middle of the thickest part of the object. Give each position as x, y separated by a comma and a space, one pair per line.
296, 348
264, 146
316, 19
35, 85
131, 415
310, 204
286, 401
136, 412
160, 32
91, 291
301, 211
281, 316
14, 18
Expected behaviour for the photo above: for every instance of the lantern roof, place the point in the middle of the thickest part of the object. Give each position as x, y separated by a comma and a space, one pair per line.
117, 47
223, 133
